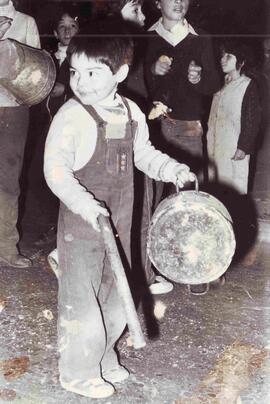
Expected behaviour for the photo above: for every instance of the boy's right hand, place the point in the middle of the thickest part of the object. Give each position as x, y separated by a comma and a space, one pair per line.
162, 65
94, 209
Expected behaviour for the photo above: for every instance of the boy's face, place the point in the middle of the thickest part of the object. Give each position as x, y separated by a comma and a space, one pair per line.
228, 63
90, 80
173, 10
66, 29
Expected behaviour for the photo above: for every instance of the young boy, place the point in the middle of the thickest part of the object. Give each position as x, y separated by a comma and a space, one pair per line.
66, 26
89, 155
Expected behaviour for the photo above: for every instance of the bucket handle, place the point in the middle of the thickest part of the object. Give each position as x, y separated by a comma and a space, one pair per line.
195, 181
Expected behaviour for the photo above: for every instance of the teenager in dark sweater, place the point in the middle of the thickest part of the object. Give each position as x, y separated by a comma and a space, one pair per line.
180, 71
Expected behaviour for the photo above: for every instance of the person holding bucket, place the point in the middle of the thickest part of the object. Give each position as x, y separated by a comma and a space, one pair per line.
13, 132
93, 142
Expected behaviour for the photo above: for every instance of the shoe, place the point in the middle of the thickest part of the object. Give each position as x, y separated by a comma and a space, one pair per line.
116, 375
200, 289
53, 262
93, 388
160, 286
17, 261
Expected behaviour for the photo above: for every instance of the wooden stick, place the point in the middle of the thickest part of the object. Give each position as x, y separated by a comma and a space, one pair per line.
121, 282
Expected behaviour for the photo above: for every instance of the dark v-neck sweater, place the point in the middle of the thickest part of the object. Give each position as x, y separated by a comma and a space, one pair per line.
173, 89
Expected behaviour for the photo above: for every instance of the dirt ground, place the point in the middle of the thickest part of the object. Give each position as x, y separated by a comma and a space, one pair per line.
211, 349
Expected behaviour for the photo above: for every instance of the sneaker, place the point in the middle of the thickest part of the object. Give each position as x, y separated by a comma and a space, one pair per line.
160, 286
17, 261
94, 388
53, 262
116, 375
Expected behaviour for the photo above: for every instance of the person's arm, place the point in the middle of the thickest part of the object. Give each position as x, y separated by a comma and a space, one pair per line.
152, 162
157, 84
32, 34
210, 80
250, 119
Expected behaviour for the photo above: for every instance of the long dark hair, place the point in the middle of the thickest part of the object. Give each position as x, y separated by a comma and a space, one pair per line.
243, 52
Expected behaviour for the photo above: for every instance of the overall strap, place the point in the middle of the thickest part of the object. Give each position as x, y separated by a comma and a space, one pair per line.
100, 122
126, 104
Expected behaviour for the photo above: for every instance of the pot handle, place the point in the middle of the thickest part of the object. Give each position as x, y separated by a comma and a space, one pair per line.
196, 184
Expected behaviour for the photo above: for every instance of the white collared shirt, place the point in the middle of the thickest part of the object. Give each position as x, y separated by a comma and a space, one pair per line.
178, 32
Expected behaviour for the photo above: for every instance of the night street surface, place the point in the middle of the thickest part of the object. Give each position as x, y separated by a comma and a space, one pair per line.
211, 349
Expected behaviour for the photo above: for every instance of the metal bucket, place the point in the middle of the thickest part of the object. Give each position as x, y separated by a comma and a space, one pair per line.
191, 239
27, 73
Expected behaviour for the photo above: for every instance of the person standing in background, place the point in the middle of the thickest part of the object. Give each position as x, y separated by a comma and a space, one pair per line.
181, 72
14, 119
234, 119
65, 27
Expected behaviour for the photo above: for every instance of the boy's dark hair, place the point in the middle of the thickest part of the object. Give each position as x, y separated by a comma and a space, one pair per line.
243, 53
70, 10
115, 6
111, 47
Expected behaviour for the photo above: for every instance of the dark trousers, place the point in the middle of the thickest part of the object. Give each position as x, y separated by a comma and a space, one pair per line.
182, 140
13, 133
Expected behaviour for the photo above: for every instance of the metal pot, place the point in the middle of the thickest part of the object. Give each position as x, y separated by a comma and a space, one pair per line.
191, 239
27, 73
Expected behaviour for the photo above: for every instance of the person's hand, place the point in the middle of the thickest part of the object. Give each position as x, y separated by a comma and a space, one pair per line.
162, 65
183, 175
194, 73
159, 109
239, 155
58, 90
91, 213
5, 23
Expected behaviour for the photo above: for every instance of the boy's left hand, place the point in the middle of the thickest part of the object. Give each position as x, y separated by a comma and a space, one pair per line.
183, 175
194, 73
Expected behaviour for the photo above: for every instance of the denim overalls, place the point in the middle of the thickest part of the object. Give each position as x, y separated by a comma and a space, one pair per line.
91, 318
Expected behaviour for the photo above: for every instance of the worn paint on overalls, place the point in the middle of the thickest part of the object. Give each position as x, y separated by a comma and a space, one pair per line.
91, 318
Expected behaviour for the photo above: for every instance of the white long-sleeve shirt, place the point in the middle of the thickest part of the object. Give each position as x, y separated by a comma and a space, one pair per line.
23, 29
71, 143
